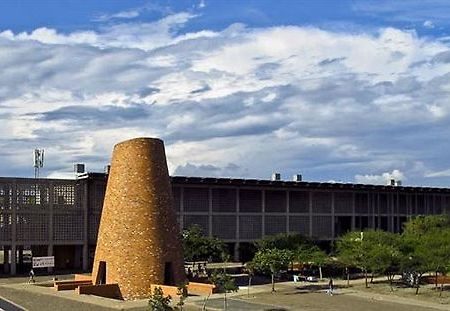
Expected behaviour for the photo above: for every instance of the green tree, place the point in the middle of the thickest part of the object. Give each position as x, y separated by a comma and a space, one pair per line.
198, 247
384, 255
437, 243
426, 246
423, 224
311, 254
272, 261
159, 302
415, 259
285, 241
224, 283
250, 268
352, 251
182, 292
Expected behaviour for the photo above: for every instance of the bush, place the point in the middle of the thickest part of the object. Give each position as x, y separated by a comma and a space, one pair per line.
158, 302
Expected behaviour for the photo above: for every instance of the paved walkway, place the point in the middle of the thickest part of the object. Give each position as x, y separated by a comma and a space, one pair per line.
6, 305
289, 296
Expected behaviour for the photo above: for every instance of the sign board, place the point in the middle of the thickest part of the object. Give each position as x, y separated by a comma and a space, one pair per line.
43, 262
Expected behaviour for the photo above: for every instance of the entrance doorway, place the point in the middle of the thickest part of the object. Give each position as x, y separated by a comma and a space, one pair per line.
168, 274
101, 276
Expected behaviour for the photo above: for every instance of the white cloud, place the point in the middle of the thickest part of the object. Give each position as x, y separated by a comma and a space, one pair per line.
428, 24
120, 15
145, 36
201, 4
296, 99
382, 179
443, 173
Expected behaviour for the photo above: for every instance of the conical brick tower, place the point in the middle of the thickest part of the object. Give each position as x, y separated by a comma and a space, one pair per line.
138, 242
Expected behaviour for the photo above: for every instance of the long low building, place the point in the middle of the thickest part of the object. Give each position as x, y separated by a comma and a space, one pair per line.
54, 217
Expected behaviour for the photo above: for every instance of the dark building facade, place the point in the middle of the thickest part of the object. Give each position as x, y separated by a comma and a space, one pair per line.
61, 217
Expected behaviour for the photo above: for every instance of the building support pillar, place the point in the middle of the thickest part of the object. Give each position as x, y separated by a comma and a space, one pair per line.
13, 267
85, 250
50, 225
6, 259
310, 212
20, 255
50, 253
353, 212
237, 233
263, 208
85, 258
236, 252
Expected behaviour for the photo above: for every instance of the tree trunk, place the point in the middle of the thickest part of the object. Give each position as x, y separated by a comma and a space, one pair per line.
418, 283
204, 302
273, 282
348, 276
371, 278
390, 278
436, 280
225, 300
365, 276
320, 273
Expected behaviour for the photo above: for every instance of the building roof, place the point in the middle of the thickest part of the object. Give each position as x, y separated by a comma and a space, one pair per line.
300, 184
260, 182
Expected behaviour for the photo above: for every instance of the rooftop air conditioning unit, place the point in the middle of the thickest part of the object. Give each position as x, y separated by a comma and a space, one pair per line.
276, 176
297, 177
79, 168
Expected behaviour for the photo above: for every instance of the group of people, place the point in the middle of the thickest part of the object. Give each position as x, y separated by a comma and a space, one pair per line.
200, 271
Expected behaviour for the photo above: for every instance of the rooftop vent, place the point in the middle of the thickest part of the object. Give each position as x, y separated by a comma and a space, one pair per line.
394, 183
297, 177
79, 168
276, 176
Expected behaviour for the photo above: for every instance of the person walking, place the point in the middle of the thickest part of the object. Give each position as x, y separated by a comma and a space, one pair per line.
330, 287
31, 280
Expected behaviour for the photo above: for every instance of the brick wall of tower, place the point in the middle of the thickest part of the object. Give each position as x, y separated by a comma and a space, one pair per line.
138, 233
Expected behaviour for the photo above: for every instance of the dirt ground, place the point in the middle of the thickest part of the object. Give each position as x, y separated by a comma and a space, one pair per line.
427, 292
294, 299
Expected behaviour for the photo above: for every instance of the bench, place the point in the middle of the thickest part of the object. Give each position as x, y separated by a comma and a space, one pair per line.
70, 285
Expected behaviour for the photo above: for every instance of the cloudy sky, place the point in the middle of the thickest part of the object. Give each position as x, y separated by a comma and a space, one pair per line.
351, 91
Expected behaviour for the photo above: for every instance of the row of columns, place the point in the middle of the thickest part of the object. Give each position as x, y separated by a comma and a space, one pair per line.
373, 205
10, 251
13, 256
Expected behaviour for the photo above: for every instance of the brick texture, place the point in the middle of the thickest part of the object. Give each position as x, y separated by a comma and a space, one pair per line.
138, 234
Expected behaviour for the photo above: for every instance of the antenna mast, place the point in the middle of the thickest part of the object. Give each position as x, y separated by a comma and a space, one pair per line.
38, 159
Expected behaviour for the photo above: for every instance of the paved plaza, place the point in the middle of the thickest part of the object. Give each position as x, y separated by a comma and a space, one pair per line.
289, 296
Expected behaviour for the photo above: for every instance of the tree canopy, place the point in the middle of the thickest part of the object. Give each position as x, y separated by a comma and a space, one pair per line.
423, 247
272, 261
282, 241
198, 247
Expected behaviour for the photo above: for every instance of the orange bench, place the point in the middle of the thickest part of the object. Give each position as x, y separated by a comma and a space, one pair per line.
441, 279
70, 285
201, 288
102, 290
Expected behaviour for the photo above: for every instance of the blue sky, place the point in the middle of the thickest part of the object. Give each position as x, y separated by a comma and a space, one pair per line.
70, 15
352, 91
